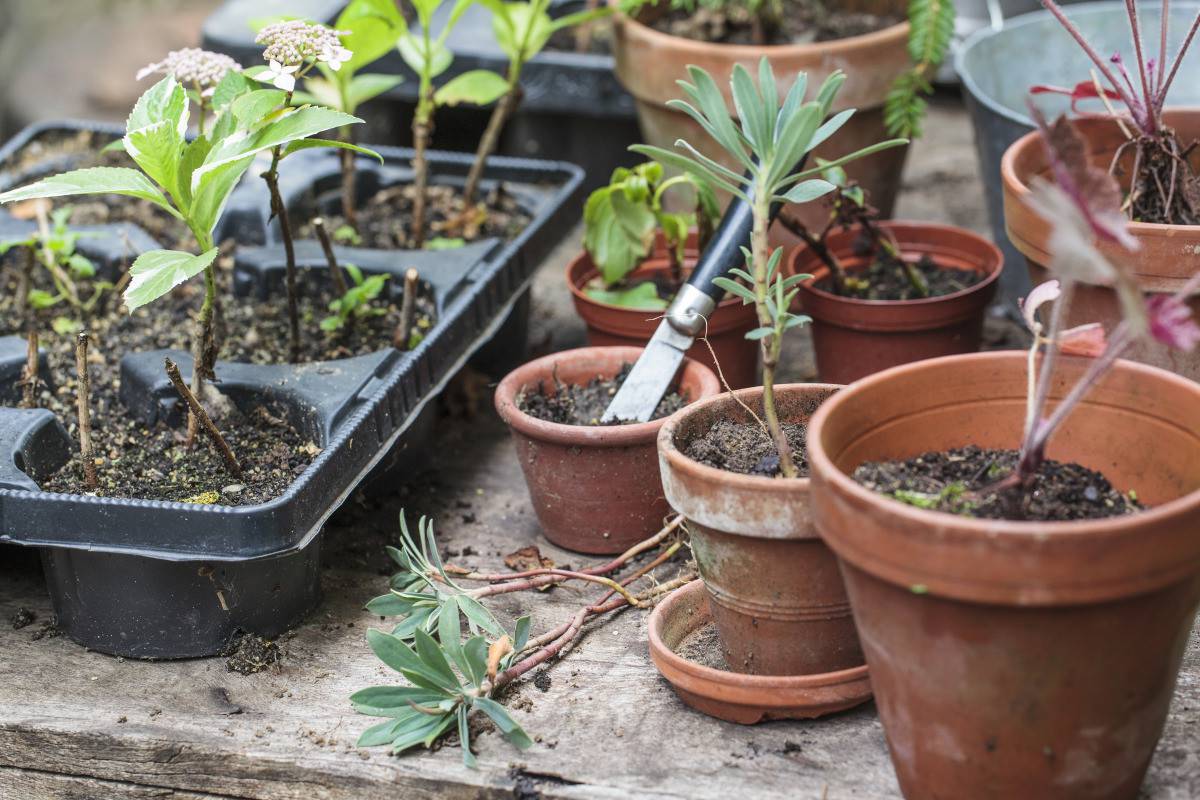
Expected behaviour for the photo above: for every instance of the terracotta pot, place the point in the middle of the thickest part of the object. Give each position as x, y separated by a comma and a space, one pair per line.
595, 489
1166, 259
853, 338
733, 697
776, 594
613, 325
1017, 659
649, 62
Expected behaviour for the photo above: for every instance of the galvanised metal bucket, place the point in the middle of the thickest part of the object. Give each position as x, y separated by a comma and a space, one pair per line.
997, 67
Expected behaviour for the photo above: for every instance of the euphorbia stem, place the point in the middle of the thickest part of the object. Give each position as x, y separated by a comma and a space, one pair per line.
491, 136
771, 345
422, 126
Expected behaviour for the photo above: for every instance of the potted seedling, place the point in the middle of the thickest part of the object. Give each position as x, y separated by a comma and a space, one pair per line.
654, 47
593, 485
636, 256
1147, 148
884, 293
1031, 519
734, 465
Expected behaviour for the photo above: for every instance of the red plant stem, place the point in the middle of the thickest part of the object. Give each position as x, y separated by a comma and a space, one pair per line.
545, 578
1057, 11
1136, 30
1162, 88
1164, 22
662, 558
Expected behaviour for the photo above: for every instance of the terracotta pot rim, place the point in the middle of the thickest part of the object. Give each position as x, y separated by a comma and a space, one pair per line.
968, 528
660, 651
584, 435
648, 264
993, 274
1020, 189
694, 469
834, 47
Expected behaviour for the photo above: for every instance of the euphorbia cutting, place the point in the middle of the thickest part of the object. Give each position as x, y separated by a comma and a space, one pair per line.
1163, 186
1083, 205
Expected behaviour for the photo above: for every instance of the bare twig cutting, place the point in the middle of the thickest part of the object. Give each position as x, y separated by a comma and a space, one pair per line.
206, 423
84, 400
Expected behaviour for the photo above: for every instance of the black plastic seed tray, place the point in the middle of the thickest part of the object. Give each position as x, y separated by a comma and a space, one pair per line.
166, 579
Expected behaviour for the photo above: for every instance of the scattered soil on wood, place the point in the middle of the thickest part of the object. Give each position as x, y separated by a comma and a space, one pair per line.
21, 618
703, 646
887, 279
542, 681
746, 449
586, 404
248, 654
59, 151
948, 481
800, 22
385, 220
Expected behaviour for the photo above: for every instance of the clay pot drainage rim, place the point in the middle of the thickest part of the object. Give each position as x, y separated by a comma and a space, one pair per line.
745, 699
968, 528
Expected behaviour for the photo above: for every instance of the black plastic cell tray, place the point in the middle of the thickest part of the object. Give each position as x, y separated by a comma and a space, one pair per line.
356, 409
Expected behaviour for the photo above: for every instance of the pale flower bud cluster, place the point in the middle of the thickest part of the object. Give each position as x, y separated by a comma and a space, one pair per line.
192, 66
292, 44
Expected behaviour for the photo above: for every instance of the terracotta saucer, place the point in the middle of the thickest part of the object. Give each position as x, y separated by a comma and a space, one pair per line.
735, 697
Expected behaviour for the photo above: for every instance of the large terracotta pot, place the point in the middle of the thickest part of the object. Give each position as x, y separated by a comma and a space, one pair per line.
648, 64
607, 324
595, 489
853, 338
774, 588
1168, 253
1017, 659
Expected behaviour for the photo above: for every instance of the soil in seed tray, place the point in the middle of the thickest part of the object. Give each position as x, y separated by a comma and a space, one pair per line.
703, 646
958, 482
586, 404
59, 151
800, 22
747, 449
886, 279
385, 220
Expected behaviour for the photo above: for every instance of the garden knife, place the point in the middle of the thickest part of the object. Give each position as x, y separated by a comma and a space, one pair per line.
684, 319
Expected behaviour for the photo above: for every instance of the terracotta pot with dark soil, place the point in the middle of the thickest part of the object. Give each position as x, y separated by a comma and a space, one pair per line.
871, 50
774, 588
1165, 260
609, 324
594, 487
864, 332
1031, 659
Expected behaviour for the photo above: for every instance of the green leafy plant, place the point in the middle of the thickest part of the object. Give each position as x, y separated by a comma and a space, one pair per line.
622, 219
52, 246
356, 303
191, 181
767, 140
522, 30
369, 30
931, 28
454, 669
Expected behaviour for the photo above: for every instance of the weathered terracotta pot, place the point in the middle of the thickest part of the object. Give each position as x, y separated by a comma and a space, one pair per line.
734, 697
607, 324
776, 594
1017, 659
1168, 253
595, 489
648, 63
853, 338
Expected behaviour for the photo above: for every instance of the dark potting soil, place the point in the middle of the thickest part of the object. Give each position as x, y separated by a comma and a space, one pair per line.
801, 22
58, 151
886, 279
703, 646
958, 481
747, 449
385, 220
586, 404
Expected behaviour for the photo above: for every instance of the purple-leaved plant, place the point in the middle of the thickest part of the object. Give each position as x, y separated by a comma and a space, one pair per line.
1082, 206
1163, 186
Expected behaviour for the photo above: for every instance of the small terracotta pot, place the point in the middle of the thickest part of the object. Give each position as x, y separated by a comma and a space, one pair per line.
1017, 659
1166, 259
613, 325
776, 594
595, 489
648, 64
853, 338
